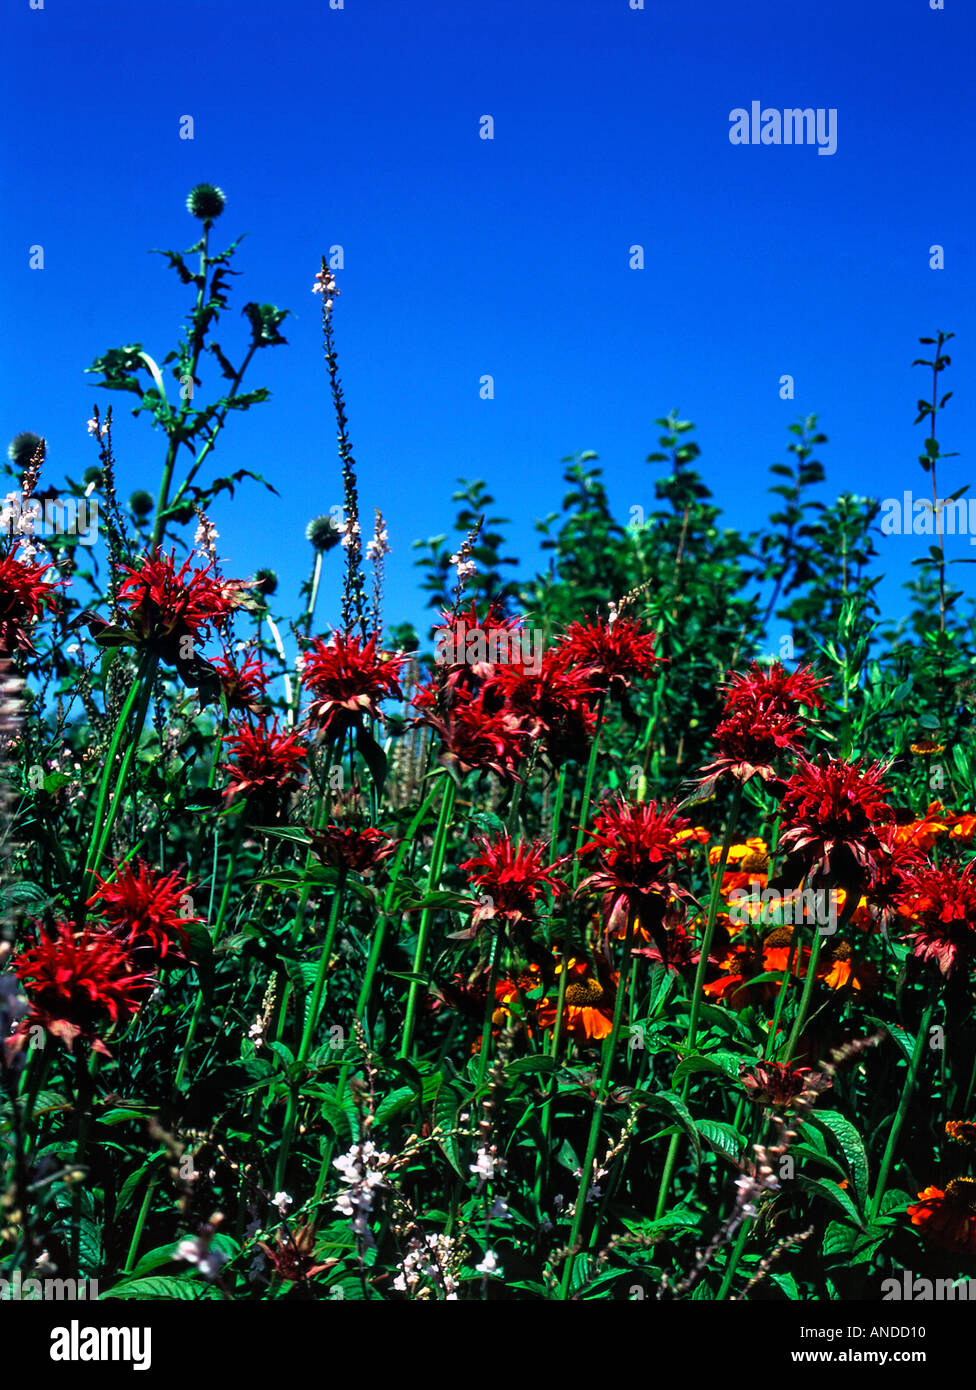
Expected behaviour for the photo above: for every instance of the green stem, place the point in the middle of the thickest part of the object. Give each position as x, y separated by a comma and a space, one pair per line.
130, 1259
312, 1012
696, 998
141, 691
489, 1010
423, 932
166, 481
908, 1091
599, 1106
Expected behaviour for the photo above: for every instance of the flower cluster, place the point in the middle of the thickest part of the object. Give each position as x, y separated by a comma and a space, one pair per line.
361, 1169
348, 678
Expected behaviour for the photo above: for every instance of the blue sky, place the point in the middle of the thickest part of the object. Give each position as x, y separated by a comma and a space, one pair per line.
507, 257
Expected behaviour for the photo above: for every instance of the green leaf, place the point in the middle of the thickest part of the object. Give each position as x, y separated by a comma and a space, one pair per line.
161, 1286
839, 1239
337, 1116
722, 1138
675, 1108
853, 1148
446, 1108
833, 1193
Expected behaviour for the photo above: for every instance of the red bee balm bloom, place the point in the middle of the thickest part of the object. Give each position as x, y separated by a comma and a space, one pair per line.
775, 1084
948, 1218
552, 704
832, 813
761, 719
513, 875
942, 903
244, 686
610, 654
468, 648
23, 597
638, 849
266, 761
146, 909
347, 679
474, 737
343, 847
77, 982
173, 609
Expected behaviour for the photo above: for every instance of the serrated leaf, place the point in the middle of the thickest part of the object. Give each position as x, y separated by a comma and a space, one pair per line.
852, 1145
827, 1188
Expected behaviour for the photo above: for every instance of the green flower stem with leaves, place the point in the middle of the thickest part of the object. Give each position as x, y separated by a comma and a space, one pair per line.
697, 987
423, 930
907, 1091
599, 1105
138, 697
312, 1011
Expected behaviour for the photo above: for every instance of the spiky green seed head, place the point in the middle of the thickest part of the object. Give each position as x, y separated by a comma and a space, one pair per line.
206, 202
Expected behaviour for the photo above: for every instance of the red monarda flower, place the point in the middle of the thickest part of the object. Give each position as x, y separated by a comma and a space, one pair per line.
174, 609
942, 904
638, 847
24, 594
468, 648
611, 654
245, 685
761, 719
513, 876
347, 679
475, 737
148, 910
265, 762
777, 1085
553, 704
832, 816
948, 1218
349, 849
883, 901
78, 982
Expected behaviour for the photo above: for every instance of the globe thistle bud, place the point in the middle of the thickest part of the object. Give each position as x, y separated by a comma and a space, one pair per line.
323, 533
206, 202
266, 582
141, 503
23, 447
93, 475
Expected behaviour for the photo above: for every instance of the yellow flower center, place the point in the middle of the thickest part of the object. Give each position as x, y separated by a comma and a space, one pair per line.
584, 993
962, 1193
755, 862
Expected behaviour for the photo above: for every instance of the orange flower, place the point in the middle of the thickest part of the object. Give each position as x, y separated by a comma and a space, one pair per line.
963, 828
746, 865
694, 832
948, 1218
776, 952
924, 832
962, 1131
536, 1014
840, 969
588, 1014
742, 964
